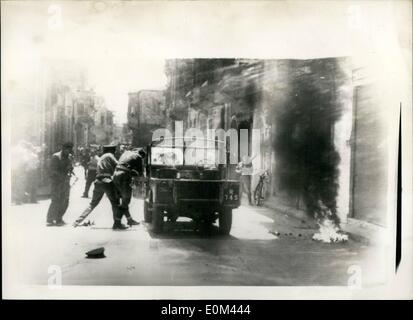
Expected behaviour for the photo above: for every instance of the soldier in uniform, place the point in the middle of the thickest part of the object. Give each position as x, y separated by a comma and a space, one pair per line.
61, 169
104, 185
130, 165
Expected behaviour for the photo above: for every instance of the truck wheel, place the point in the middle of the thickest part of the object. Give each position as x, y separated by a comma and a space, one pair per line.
147, 214
225, 221
157, 220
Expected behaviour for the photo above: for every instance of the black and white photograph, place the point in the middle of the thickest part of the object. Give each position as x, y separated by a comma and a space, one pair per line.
206, 149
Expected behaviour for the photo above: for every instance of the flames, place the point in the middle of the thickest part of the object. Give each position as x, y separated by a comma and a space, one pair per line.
329, 230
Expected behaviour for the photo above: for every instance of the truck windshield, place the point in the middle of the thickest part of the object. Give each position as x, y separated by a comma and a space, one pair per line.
200, 155
165, 156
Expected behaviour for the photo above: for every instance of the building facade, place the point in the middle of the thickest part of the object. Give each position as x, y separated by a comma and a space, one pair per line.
55, 107
305, 114
146, 113
103, 128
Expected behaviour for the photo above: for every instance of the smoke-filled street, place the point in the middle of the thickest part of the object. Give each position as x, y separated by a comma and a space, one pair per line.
206, 150
252, 255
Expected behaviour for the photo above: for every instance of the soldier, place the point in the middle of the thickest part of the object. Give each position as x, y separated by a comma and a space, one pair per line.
130, 164
61, 169
104, 185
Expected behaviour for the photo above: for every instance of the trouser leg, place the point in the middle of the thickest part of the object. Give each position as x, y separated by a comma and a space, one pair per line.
113, 197
98, 192
122, 181
126, 196
249, 188
64, 200
91, 176
246, 186
52, 213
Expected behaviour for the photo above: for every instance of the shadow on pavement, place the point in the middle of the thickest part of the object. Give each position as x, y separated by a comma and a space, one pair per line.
187, 230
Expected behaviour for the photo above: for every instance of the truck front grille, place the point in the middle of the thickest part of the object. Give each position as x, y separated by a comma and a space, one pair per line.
197, 190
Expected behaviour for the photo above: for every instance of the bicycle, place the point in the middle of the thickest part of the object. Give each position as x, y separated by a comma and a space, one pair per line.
259, 194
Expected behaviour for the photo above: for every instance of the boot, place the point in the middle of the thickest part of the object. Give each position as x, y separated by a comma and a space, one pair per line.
132, 222
83, 216
119, 226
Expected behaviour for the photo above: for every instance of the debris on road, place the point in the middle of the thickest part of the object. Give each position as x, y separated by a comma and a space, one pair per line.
87, 223
96, 253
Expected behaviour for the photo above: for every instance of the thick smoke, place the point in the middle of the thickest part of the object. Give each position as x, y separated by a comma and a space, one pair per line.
304, 143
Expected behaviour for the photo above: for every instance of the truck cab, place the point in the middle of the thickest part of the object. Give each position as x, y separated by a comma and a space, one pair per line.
181, 185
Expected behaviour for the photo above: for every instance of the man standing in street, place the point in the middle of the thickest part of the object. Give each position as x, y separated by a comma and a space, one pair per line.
130, 164
104, 185
61, 169
246, 170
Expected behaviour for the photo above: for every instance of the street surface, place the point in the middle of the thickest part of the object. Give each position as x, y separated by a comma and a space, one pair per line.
252, 255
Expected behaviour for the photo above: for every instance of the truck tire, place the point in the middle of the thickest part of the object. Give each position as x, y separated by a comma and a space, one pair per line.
225, 221
147, 214
157, 220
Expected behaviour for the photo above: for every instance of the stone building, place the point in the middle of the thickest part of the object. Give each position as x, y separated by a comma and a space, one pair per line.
67, 106
314, 125
84, 111
122, 134
304, 116
212, 93
54, 107
103, 125
146, 113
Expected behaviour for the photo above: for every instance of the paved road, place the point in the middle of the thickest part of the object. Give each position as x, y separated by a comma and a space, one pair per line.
251, 255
